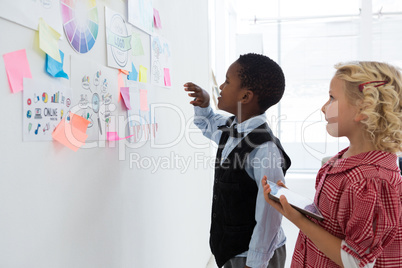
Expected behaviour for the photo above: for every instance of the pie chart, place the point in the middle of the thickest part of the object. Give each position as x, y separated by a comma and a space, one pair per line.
81, 23
44, 97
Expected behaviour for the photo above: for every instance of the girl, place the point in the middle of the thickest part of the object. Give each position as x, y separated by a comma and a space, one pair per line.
359, 191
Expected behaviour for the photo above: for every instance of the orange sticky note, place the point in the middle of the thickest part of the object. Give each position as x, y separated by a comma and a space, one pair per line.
17, 67
143, 100
79, 123
124, 71
72, 134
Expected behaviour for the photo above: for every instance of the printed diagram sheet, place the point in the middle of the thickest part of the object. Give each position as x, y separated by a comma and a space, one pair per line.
28, 13
95, 95
160, 62
118, 40
44, 105
81, 23
141, 121
141, 14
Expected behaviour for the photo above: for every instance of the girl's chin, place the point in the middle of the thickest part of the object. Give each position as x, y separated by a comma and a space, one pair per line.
332, 130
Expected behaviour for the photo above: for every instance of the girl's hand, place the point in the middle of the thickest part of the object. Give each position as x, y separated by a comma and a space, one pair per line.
329, 244
200, 95
283, 206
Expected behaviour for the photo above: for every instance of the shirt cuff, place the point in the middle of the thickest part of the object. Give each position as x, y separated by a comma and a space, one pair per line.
350, 261
257, 259
202, 111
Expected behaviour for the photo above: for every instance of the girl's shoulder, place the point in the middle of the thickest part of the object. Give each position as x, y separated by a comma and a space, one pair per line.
374, 167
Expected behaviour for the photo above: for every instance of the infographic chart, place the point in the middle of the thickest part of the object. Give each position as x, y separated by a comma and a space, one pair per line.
81, 23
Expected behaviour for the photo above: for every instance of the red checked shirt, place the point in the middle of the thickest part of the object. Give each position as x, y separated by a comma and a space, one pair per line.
361, 200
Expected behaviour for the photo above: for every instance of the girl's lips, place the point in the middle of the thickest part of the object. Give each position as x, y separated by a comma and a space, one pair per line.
332, 120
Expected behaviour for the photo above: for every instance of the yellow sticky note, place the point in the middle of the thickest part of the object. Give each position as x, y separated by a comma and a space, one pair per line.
143, 74
48, 40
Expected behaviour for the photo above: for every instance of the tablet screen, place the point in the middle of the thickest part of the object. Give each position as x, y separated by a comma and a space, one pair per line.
299, 202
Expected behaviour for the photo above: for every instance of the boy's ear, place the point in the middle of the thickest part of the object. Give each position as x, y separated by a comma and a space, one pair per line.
247, 97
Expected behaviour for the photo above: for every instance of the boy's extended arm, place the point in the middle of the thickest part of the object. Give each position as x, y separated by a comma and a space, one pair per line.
205, 118
201, 97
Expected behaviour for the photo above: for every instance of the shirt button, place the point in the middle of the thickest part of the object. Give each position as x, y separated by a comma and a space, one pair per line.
214, 215
302, 247
215, 196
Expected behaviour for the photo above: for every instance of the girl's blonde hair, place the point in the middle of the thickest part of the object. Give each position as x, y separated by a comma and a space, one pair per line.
381, 104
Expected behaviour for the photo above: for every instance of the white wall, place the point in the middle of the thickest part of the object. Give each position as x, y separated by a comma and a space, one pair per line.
249, 43
90, 208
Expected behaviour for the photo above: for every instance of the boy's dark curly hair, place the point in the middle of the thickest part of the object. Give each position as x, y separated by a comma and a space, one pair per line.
262, 76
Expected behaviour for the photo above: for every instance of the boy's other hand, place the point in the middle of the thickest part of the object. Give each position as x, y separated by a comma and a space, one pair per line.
200, 95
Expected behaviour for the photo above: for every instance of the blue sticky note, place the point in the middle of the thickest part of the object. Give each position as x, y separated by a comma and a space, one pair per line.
55, 68
133, 75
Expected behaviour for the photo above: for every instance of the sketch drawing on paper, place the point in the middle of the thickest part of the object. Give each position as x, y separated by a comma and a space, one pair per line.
95, 96
118, 40
160, 61
142, 122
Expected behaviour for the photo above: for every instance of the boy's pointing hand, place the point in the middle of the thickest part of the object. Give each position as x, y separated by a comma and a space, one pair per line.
201, 97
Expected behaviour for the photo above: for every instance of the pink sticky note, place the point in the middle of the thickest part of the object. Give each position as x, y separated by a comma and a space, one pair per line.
73, 134
113, 136
143, 100
167, 77
125, 93
157, 19
120, 83
17, 67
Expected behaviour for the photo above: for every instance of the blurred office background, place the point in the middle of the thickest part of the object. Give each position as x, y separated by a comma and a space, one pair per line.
307, 38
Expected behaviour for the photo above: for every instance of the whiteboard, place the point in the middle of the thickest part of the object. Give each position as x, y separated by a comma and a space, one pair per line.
108, 204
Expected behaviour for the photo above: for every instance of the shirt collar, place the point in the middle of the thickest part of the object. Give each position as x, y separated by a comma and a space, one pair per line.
250, 124
374, 158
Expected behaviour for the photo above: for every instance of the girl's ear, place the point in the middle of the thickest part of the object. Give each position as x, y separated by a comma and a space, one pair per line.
359, 117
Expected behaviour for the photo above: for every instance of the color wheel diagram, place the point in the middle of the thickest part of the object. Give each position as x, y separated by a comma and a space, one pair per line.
81, 23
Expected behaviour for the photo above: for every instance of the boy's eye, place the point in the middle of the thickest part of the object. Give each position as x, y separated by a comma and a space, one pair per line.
331, 99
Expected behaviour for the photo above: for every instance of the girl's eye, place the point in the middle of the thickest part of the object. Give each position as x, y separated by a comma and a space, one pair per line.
331, 99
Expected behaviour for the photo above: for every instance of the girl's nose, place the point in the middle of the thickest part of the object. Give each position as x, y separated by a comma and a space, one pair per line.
324, 107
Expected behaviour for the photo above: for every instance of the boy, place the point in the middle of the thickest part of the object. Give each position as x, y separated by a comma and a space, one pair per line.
245, 232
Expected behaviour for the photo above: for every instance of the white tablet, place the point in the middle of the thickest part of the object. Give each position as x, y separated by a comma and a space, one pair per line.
299, 202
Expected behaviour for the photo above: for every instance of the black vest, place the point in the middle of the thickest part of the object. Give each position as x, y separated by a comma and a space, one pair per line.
234, 195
